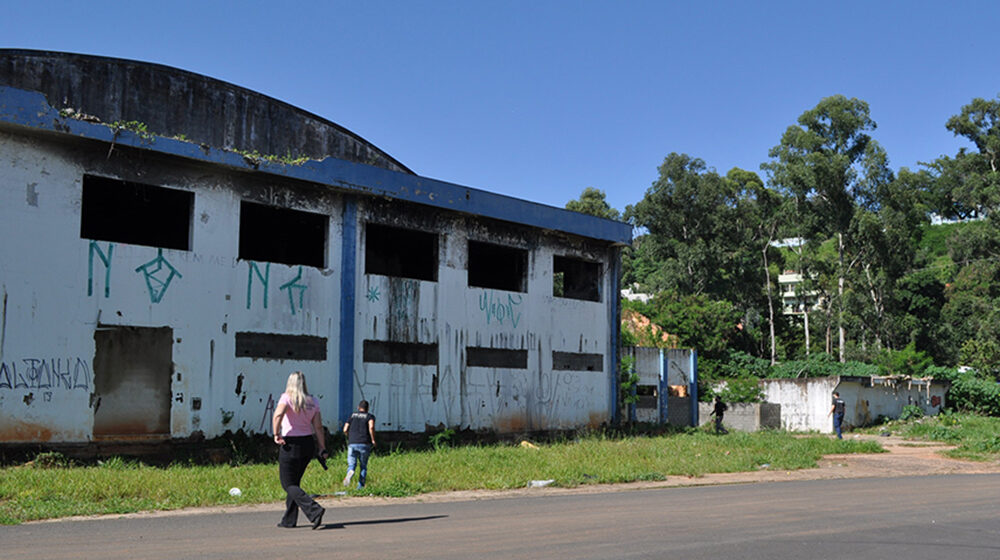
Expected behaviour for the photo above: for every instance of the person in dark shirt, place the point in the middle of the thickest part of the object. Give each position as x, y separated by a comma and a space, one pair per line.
719, 411
360, 432
837, 410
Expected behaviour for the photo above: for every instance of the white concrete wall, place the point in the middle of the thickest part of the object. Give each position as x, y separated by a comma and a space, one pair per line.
454, 315
49, 317
804, 402
865, 404
47, 343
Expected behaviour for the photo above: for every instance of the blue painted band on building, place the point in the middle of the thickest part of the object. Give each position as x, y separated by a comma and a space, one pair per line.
30, 109
348, 274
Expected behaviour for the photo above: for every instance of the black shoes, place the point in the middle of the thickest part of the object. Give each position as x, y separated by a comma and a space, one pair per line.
319, 519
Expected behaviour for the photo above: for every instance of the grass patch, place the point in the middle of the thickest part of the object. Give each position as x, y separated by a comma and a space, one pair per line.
52, 487
975, 437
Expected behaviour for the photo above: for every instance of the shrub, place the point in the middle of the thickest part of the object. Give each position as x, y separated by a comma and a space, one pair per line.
742, 389
50, 460
969, 392
910, 412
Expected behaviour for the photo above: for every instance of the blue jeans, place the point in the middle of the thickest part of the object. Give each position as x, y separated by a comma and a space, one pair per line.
358, 453
838, 419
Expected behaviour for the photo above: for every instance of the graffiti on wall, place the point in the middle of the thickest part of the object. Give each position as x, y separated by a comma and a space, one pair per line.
501, 399
268, 414
264, 278
294, 287
499, 308
46, 373
158, 273
106, 259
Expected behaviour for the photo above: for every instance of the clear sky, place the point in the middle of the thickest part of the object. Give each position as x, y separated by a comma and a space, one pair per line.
540, 99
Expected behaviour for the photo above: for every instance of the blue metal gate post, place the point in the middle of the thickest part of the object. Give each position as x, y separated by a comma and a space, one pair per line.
664, 390
693, 388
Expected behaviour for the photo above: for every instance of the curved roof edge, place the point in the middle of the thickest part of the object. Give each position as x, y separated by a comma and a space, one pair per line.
23, 109
177, 103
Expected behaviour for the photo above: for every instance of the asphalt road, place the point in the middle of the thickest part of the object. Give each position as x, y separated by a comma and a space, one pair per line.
954, 516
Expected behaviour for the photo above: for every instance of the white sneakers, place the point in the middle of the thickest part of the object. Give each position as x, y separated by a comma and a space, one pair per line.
347, 479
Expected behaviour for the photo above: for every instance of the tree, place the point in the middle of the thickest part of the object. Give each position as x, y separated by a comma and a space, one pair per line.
690, 214
968, 185
760, 210
884, 237
592, 201
828, 164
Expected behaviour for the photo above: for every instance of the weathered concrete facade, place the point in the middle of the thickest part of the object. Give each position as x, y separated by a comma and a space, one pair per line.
805, 403
743, 417
667, 387
159, 288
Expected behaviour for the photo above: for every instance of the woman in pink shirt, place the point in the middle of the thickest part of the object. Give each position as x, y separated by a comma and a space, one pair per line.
298, 429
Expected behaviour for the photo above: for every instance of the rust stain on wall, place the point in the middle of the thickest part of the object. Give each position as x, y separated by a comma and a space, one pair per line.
14, 430
510, 424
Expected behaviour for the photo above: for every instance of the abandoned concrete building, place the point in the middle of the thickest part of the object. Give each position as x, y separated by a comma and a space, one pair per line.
174, 246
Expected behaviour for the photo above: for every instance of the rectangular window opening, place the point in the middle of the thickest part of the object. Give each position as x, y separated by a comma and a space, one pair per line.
412, 353
648, 396
575, 361
400, 252
497, 267
136, 213
476, 356
270, 346
576, 279
282, 235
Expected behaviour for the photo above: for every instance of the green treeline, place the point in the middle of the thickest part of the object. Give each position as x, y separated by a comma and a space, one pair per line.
895, 272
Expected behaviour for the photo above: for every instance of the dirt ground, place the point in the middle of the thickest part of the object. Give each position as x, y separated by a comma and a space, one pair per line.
903, 458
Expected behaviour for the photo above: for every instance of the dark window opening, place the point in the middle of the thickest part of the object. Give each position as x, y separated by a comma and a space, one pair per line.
648, 396
413, 353
269, 346
573, 361
497, 267
496, 358
576, 279
136, 213
405, 253
282, 235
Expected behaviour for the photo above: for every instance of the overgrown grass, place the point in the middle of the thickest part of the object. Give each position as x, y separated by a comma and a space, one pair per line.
49, 488
977, 437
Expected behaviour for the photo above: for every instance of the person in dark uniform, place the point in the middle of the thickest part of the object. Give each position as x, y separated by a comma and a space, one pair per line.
837, 410
360, 432
298, 429
719, 411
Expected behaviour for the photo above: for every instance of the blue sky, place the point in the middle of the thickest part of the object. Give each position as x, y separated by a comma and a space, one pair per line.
540, 99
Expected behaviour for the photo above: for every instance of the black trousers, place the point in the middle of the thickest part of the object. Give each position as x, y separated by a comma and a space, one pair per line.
293, 458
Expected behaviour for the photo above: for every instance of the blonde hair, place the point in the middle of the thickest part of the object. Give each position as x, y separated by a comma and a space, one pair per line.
296, 390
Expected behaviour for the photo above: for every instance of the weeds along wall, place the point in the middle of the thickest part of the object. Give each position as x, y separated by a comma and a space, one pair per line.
148, 297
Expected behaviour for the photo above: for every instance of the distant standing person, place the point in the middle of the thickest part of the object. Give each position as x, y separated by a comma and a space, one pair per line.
298, 429
719, 411
837, 410
360, 432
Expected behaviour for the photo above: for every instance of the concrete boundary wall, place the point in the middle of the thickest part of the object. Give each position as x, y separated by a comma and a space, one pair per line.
743, 417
